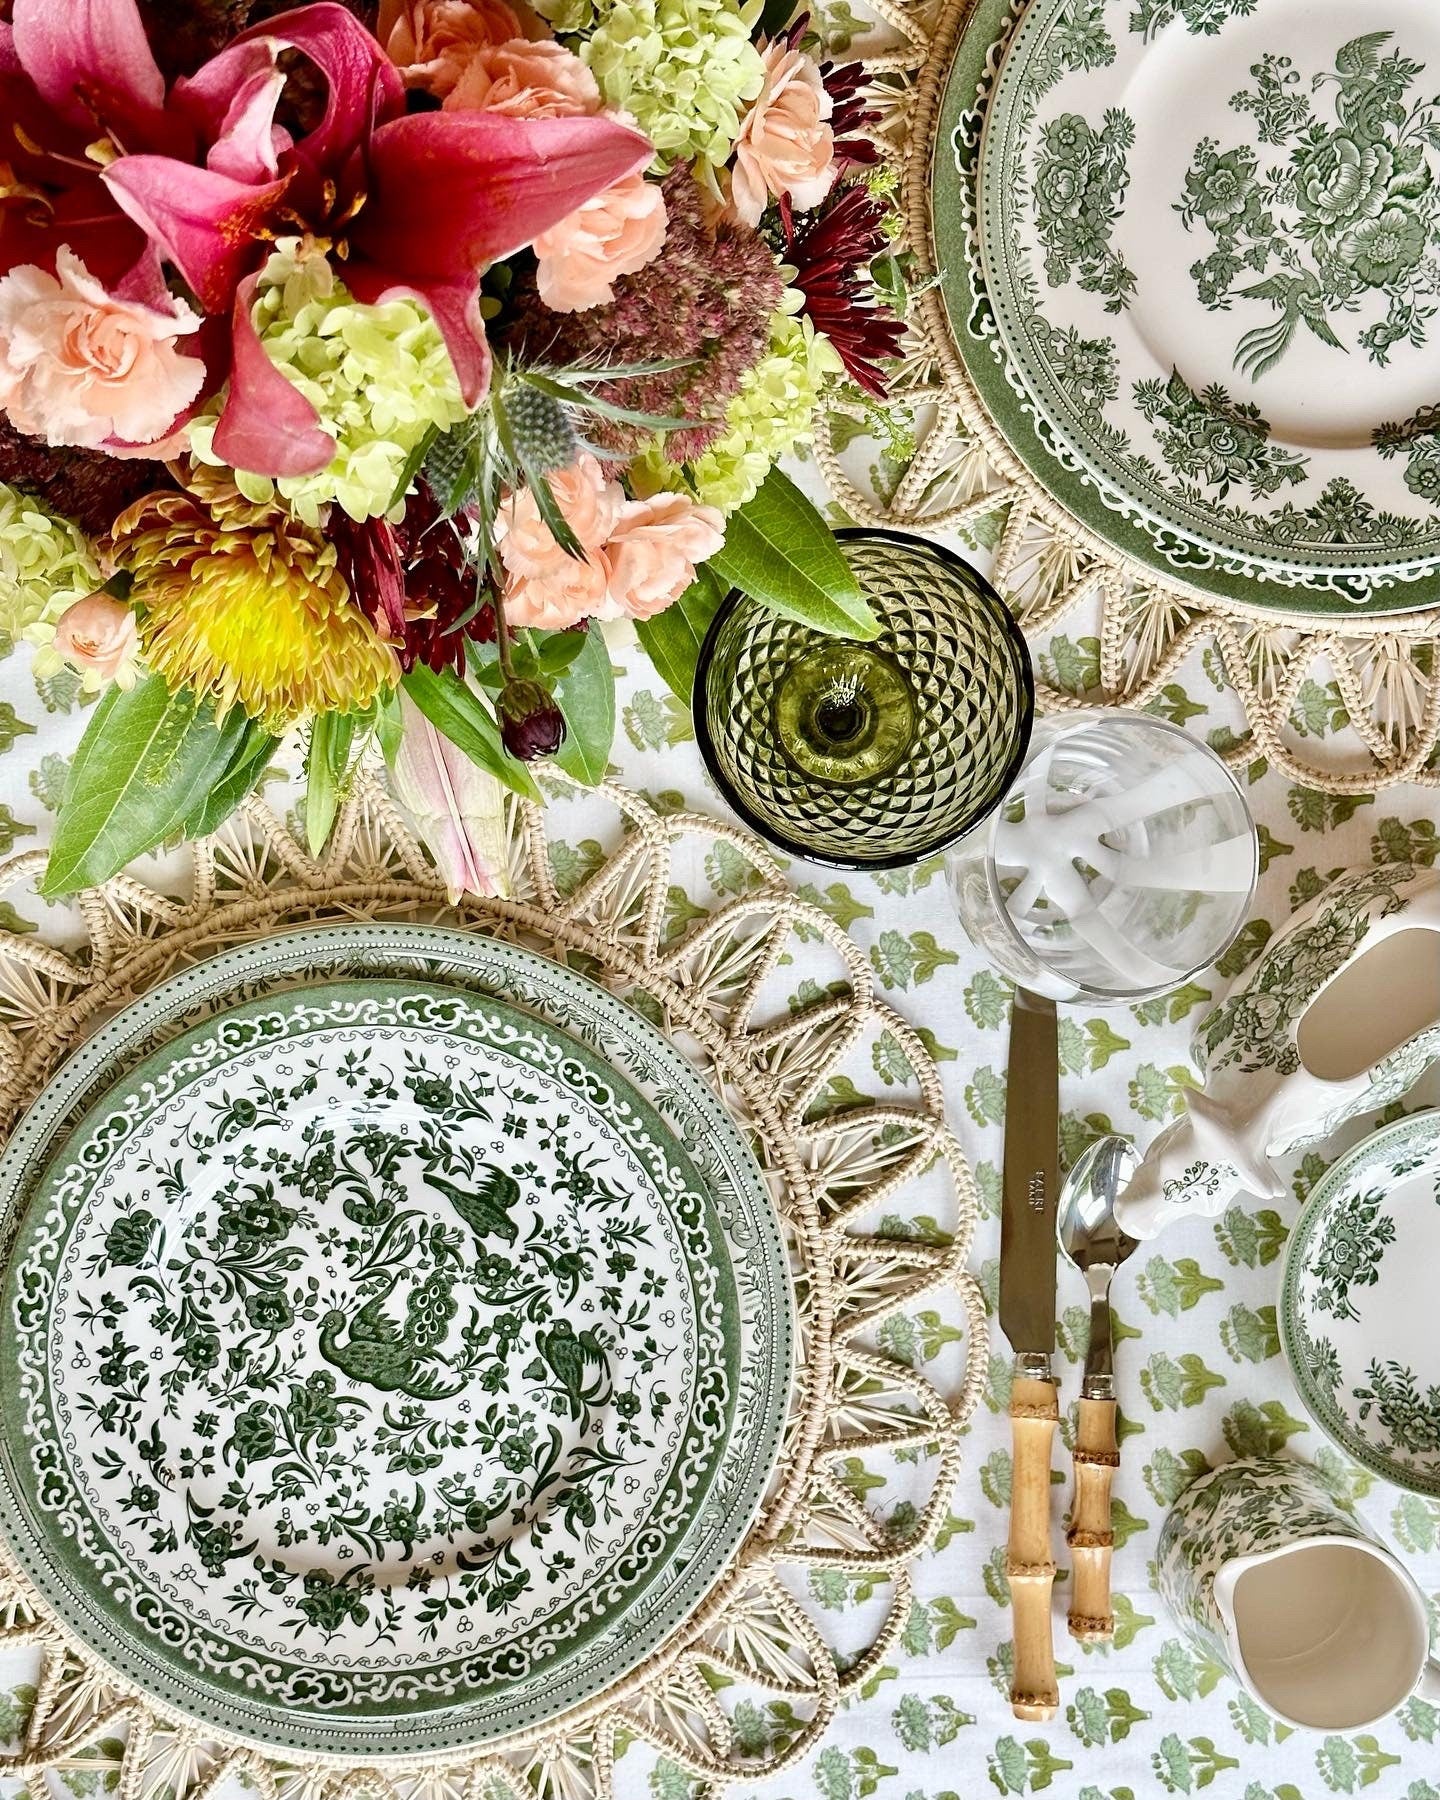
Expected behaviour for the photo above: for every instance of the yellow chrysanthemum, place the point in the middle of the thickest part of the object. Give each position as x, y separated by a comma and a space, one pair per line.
246, 606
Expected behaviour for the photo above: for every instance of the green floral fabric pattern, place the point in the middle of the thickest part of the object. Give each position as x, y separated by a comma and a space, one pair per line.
1201, 1375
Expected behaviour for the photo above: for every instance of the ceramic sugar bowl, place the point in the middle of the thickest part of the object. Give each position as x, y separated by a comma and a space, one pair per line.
1270, 1576
1339, 1016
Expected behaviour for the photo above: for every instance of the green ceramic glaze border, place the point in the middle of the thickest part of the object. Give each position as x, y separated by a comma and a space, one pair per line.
1002, 158
472, 965
1422, 1132
975, 336
387, 1004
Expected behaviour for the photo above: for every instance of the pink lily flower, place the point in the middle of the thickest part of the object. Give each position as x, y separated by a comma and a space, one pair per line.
458, 808
413, 204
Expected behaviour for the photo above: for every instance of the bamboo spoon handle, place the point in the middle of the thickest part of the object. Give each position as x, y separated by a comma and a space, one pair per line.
1091, 1537
1034, 1414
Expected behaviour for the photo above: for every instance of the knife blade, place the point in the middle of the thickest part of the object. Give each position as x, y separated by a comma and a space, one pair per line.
1028, 1249
1031, 1193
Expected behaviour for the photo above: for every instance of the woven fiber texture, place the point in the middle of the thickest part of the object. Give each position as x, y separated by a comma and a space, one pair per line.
964, 479
721, 984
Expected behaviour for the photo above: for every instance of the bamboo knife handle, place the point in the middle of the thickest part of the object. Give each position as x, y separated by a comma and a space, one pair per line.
1090, 1536
1034, 1414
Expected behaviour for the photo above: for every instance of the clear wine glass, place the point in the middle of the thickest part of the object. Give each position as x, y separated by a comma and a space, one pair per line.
1122, 861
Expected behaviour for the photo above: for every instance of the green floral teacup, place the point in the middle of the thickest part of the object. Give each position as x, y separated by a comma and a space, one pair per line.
1274, 1579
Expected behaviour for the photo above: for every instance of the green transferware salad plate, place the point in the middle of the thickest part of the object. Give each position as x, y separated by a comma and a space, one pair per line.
1357, 1312
1209, 247
387, 1374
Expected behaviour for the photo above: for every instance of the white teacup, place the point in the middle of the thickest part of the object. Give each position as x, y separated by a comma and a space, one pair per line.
1273, 1578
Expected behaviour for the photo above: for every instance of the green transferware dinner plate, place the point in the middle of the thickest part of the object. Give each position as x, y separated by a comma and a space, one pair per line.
1163, 254
1357, 1312
395, 1377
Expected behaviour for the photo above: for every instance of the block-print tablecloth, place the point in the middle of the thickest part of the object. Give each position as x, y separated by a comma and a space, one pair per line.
1201, 1376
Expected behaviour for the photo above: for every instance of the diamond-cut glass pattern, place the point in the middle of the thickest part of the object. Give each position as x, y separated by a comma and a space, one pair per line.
962, 658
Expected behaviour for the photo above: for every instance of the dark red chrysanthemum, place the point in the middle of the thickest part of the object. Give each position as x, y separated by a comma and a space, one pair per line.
852, 117
831, 254
414, 583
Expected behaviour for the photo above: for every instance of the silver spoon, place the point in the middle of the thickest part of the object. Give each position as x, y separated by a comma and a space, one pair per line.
1095, 1244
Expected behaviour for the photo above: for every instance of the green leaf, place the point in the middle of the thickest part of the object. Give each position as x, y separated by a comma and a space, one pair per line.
585, 693
779, 550
558, 649
414, 462
241, 778
326, 762
390, 727
147, 760
775, 16
672, 639
458, 713
607, 409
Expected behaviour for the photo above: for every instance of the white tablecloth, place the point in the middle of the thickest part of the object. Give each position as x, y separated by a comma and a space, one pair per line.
1200, 1371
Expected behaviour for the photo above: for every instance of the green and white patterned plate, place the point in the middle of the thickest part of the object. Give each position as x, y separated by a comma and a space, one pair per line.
424, 1381
1210, 236
1357, 1312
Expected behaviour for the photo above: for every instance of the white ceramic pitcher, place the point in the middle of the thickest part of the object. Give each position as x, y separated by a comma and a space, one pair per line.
1274, 1579
1339, 1016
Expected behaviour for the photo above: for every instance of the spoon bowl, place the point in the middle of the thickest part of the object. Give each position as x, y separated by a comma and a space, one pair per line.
1091, 1236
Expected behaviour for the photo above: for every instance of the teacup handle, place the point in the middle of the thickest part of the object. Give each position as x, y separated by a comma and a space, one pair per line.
1429, 1688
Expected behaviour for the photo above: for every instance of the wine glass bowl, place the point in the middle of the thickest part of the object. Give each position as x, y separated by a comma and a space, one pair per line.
868, 755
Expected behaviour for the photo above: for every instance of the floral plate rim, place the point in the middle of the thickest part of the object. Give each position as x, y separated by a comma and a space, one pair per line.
986, 29
1004, 218
353, 954
1424, 1128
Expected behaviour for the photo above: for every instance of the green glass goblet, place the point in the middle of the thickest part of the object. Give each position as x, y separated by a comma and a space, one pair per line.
876, 754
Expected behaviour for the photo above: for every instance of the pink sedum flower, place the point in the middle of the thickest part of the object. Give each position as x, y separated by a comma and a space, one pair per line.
526, 81
616, 233
786, 146
654, 549
78, 365
97, 637
432, 42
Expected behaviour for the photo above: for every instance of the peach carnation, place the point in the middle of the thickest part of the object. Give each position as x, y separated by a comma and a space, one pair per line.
785, 144
97, 636
546, 589
525, 81
432, 42
78, 365
615, 233
639, 554
653, 551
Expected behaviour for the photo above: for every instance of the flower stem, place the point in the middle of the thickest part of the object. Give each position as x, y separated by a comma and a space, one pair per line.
502, 634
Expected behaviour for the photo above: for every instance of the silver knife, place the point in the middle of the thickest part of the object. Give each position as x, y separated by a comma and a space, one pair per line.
1027, 1317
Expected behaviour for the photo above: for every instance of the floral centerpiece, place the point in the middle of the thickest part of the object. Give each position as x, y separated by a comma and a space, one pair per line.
356, 360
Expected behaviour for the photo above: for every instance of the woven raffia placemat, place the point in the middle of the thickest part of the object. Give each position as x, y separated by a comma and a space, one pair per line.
964, 479
778, 1008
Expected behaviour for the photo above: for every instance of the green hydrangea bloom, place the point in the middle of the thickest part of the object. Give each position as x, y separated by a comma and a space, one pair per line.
771, 415
46, 564
566, 17
378, 376
683, 68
